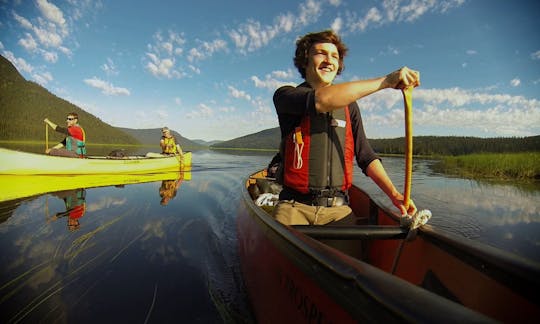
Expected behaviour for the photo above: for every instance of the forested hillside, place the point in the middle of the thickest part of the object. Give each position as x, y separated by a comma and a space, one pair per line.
266, 139
24, 105
458, 145
423, 145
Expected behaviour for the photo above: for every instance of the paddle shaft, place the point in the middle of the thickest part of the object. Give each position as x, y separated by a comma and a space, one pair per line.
407, 97
46, 137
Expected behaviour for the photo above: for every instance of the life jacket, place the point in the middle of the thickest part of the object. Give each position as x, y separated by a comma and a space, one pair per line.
170, 145
75, 141
319, 154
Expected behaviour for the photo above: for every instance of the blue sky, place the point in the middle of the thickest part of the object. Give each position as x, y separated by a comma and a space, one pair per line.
208, 69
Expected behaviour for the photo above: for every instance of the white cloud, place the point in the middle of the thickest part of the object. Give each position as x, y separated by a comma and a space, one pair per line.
253, 35
274, 80
28, 43
456, 110
106, 87
47, 32
398, 11
337, 25
372, 16
238, 93
50, 57
515, 82
162, 54
52, 13
162, 67
25, 23
202, 111
535, 55
109, 68
206, 50
309, 12
457, 97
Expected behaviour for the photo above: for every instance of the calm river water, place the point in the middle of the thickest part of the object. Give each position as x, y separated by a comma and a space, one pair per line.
134, 259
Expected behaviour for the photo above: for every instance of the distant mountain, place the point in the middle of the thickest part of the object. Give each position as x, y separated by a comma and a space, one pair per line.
153, 135
205, 143
24, 105
266, 139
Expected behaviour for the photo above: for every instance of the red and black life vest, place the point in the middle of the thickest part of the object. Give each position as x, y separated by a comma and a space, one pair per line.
319, 153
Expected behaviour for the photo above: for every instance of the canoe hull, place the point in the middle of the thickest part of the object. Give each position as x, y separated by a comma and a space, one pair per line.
23, 163
280, 291
21, 186
290, 275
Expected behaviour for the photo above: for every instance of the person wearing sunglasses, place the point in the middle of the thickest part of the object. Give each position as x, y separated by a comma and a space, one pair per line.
73, 144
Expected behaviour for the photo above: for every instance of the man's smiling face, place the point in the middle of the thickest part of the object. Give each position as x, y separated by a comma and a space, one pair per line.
323, 64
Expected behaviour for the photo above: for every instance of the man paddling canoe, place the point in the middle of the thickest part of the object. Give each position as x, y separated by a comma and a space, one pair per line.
73, 144
322, 133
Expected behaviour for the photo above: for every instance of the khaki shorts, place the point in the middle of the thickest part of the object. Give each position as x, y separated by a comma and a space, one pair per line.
290, 212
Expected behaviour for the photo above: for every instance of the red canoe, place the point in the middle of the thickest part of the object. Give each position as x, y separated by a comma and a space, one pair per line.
331, 274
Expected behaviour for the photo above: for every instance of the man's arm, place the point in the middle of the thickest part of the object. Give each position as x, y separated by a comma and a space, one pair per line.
339, 95
162, 144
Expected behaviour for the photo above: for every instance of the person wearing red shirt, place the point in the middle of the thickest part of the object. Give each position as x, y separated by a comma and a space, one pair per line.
73, 144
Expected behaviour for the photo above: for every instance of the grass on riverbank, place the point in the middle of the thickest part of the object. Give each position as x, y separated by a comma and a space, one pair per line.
523, 166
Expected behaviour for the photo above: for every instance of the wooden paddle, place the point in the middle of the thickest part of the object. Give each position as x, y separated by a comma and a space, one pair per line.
46, 137
407, 98
413, 222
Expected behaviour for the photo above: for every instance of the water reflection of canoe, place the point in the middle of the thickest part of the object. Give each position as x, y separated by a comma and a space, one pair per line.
20, 186
344, 274
23, 163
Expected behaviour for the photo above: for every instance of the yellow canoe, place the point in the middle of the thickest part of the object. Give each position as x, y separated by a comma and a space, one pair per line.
21, 186
24, 163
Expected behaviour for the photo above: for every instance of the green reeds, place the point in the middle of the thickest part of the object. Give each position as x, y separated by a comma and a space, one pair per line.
522, 166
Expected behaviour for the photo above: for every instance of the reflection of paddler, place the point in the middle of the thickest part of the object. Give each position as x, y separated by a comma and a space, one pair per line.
75, 201
168, 189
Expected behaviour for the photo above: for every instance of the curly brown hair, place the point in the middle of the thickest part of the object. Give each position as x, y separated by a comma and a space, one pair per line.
304, 44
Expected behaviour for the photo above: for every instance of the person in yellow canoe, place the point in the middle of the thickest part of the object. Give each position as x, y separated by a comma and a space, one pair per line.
168, 143
74, 144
